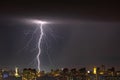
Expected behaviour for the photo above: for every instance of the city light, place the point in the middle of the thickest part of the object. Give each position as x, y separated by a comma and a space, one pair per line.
32, 74
94, 70
88, 72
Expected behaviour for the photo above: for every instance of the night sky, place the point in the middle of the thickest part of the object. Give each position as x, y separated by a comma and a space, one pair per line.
79, 34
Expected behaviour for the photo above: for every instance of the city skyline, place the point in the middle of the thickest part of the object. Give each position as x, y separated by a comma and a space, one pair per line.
79, 34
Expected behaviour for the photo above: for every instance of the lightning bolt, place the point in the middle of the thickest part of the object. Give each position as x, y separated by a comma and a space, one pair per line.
39, 47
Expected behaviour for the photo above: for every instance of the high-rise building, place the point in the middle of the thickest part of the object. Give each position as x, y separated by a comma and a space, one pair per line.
16, 72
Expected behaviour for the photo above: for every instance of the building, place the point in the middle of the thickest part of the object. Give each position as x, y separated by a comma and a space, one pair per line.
12, 78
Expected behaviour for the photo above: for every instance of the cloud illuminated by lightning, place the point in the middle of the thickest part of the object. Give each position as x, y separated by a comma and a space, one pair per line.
39, 22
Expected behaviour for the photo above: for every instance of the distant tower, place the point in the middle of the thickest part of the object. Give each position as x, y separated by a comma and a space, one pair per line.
94, 70
16, 72
103, 67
